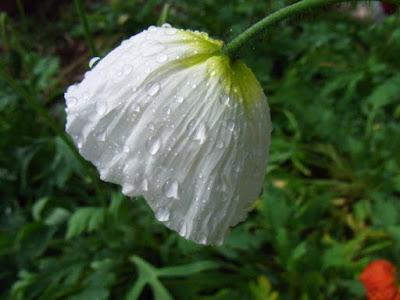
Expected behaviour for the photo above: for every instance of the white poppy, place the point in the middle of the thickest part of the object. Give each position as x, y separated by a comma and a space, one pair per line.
167, 116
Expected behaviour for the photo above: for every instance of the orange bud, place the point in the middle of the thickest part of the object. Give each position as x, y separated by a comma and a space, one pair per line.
379, 279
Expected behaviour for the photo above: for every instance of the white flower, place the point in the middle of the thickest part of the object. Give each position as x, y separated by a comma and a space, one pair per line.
166, 116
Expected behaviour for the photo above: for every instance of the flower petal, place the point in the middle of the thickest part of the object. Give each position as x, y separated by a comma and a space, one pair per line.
167, 118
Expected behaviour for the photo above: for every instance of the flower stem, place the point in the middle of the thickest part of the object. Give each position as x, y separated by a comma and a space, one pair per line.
88, 35
231, 48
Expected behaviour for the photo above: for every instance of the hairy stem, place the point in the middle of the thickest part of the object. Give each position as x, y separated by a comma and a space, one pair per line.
232, 47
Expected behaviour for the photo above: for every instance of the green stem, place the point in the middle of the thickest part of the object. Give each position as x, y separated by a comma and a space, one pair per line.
231, 48
88, 36
164, 14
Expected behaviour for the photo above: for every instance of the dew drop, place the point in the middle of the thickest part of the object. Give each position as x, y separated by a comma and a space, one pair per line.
180, 99
171, 189
203, 240
230, 124
161, 58
191, 124
93, 61
136, 108
128, 189
127, 149
79, 144
153, 145
150, 48
220, 145
201, 134
151, 126
72, 101
162, 214
166, 25
153, 89
85, 96
152, 28
171, 31
182, 231
225, 101
101, 108
145, 185
102, 136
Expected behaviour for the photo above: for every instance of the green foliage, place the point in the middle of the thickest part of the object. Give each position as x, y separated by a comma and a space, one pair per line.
330, 202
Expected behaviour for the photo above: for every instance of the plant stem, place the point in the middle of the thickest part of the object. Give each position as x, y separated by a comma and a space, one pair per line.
164, 14
231, 48
88, 35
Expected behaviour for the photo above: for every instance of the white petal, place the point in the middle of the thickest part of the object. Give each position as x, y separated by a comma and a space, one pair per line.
158, 116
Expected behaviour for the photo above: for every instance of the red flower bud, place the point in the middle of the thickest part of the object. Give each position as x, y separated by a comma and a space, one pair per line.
379, 279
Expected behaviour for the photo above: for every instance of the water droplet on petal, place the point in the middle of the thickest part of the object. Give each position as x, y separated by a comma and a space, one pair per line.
182, 231
127, 149
220, 144
171, 31
153, 145
145, 185
153, 88
162, 214
225, 101
171, 189
201, 133
180, 99
150, 48
162, 58
230, 124
79, 144
166, 25
151, 126
152, 28
93, 61
101, 108
72, 101
191, 124
136, 108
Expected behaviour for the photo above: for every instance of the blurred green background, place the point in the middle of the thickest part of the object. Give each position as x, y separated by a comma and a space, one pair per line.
331, 196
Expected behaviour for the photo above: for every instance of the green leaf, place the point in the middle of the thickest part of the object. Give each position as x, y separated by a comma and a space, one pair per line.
85, 219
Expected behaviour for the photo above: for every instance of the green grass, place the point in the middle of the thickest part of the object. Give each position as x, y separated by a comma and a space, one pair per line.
331, 198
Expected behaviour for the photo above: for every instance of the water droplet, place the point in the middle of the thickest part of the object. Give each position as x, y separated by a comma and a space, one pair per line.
152, 28
150, 48
79, 144
220, 144
145, 185
102, 136
194, 85
162, 214
72, 101
180, 99
126, 69
128, 189
151, 126
166, 25
93, 61
153, 88
127, 149
171, 31
230, 124
225, 101
161, 58
85, 96
191, 124
153, 145
136, 108
167, 110
203, 240
101, 108
201, 133
182, 231
171, 189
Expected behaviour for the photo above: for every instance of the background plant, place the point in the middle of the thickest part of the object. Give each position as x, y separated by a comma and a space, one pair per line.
331, 197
